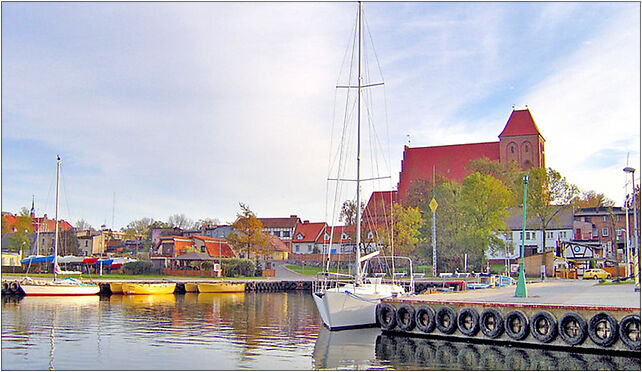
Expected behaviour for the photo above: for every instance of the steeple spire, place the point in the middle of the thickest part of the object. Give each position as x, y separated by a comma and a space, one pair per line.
33, 209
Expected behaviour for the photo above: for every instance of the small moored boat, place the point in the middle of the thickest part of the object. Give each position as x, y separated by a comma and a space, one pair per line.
116, 287
191, 287
221, 287
148, 288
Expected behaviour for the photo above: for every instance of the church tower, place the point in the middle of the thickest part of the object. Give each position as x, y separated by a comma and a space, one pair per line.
521, 141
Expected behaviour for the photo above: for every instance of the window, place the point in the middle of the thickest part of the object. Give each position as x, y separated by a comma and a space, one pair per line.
277, 233
296, 248
344, 236
605, 231
512, 150
299, 236
619, 218
526, 148
604, 218
286, 234
326, 236
370, 236
86, 243
521, 236
550, 235
309, 248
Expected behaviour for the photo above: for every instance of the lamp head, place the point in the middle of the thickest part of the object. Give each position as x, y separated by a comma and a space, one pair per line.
629, 170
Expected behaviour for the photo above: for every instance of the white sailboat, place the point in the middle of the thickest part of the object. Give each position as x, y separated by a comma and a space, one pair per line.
64, 287
345, 301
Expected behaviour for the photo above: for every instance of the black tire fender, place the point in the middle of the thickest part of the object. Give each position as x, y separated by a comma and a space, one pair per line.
386, 315
425, 319
611, 329
406, 311
577, 334
15, 287
550, 326
513, 319
474, 319
446, 320
625, 324
486, 317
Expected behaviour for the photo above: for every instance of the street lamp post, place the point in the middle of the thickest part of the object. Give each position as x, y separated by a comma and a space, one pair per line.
636, 247
520, 290
627, 240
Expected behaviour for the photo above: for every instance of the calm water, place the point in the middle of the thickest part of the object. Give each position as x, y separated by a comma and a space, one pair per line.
267, 331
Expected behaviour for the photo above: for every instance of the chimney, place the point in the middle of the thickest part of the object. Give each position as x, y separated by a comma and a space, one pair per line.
306, 222
293, 216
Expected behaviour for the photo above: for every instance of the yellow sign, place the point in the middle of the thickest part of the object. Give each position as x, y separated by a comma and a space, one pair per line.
433, 205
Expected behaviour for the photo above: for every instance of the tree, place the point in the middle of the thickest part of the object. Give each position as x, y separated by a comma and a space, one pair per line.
181, 221
548, 194
448, 223
508, 173
207, 222
484, 207
406, 224
592, 199
139, 227
348, 212
82, 225
68, 244
247, 232
20, 240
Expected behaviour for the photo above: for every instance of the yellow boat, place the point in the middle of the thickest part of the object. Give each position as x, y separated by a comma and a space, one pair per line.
148, 288
221, 287
191, 287
116, 287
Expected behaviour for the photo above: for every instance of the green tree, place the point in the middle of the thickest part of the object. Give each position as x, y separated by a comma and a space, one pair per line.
406, 224
247, 232
548, 194
448, 222
82, 225
20, 240
484, 207
508, 173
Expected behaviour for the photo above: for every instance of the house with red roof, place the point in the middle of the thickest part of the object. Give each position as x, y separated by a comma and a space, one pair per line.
519, 141
281, 227
306, 237
213, 247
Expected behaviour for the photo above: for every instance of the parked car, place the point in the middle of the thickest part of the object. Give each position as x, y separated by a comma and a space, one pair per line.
596, 274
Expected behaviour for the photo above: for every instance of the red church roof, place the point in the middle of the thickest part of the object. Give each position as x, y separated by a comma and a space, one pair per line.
449, 161
520, 123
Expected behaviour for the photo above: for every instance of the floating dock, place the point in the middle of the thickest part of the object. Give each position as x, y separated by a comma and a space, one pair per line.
560, 314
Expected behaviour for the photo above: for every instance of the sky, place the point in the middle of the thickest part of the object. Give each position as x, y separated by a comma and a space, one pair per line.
191, 108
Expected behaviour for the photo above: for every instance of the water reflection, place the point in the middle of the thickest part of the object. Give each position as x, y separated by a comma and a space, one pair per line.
412, 353
345, 349
161, 332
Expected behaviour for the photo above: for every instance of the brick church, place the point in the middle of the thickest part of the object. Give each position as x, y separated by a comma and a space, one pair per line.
520, 141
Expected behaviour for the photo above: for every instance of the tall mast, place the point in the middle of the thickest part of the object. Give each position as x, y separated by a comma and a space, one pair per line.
358, 227
55, 252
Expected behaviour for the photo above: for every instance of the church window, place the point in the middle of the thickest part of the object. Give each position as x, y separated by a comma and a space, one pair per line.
512, 150
525, 148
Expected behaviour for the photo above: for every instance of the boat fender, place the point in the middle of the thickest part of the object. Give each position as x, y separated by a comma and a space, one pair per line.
386, 316
15, 287
425, 319
293, 286
543, 326
628, 325
406, 317
572, 329
468, 321
491, 323
516, 325
603, 335
5, 287
446, 320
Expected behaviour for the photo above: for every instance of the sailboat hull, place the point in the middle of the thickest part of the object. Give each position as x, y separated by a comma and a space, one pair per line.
59, 290
347, 308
